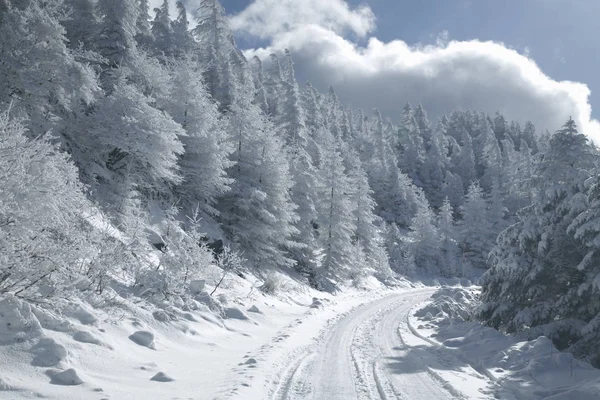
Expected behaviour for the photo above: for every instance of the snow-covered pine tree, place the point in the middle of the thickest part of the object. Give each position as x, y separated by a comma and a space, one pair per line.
490, 157
464, 160
434, 168
425, 238
412, 149
260, 93
207, 145
116, 38
538, 279
45, 83
257, 212
80, 23
215, 46
336, 213
182, 41
451, 265
477, 237
161, 30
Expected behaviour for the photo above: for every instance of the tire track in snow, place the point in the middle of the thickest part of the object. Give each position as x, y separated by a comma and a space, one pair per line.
347, 361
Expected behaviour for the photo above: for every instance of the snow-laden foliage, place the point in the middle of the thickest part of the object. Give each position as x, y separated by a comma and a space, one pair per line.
46, 243
544, 275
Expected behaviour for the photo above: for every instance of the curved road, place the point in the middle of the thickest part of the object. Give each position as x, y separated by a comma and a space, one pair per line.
366, 355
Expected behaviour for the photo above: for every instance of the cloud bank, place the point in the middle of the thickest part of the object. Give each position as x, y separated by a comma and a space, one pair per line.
331, 44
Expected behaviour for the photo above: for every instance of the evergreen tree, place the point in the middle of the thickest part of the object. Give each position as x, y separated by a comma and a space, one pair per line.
43, 82
337, 224
161, 29
411, 144
80, 24
539, 268
260, 93
434, 168
464, 161
143, 35
215, 46
477, 236
425, 238
207, 144
448, 236
257, 212
182, 41
424, 125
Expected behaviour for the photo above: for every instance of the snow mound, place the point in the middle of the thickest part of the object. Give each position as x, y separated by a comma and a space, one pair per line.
316, 303
448, 304
213, 305
86, 337
67, 377
52, 321
17, 321
254, 309
7, 387
84, 316
235, 313
143, 338
163, 316
48, 353
162, 377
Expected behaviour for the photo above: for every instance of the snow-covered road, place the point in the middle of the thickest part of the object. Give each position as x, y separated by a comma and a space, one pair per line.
369, 353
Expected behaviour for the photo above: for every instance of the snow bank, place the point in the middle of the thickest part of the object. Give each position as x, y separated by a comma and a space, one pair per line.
119, 345
520, 369
18, 321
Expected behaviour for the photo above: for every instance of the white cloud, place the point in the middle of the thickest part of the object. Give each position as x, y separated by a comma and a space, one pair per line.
485, 76
268, 18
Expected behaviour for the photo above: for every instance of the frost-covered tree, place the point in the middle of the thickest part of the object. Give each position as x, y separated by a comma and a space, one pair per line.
116, 38
292, 124
449, 243
80, 23
161, 29
207, 145
453, 189
476, 242
337, 222
490, 157
42, 79
215, 47
464, 160
257, 212
425, 238
367, 223
260, 93
434, 168
540, 278
47, 245
425, 128
143, 27
411, 144
401, 258
139, 144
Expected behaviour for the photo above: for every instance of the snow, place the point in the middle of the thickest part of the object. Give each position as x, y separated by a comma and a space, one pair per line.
67, 377
136, 351
411, 341
515, 369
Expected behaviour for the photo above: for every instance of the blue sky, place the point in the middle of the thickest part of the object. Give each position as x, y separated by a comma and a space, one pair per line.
558, 35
